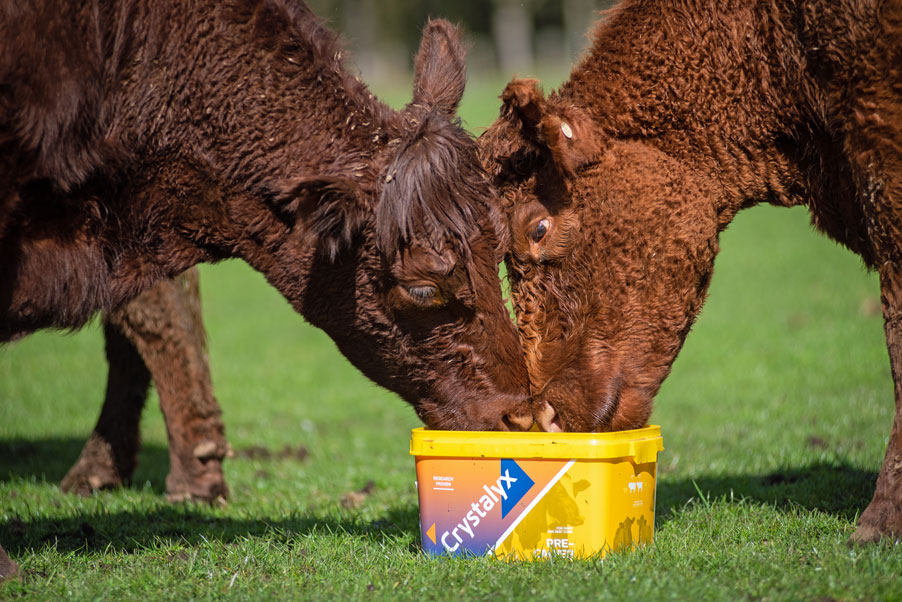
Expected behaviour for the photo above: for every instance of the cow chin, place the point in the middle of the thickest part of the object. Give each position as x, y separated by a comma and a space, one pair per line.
501, 412
619, 408
604, 398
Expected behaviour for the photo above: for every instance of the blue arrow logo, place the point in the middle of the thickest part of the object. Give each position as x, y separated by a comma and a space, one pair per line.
516, 483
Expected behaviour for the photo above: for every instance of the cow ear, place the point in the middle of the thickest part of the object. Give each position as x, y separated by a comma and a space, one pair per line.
570, 138
440, 71
332, 208
523, 99
566, 132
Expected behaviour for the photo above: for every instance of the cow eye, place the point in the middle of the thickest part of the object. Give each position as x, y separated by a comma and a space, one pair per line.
425, 294
540, 230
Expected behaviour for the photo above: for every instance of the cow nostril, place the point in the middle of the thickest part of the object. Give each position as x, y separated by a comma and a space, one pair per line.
548, 419
516, 422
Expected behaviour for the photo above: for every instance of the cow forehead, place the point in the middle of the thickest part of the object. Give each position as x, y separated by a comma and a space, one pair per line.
426, 259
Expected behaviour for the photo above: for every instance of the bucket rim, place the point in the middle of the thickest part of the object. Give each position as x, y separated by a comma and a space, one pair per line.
641, 444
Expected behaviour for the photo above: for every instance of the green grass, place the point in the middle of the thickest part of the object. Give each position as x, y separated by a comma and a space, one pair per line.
775, 421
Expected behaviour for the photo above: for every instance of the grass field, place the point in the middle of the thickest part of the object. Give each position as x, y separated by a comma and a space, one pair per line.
775, 421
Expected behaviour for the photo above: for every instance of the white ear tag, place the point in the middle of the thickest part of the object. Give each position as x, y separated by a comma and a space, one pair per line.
565, 128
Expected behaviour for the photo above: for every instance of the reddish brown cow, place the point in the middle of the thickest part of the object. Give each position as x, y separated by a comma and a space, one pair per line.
683, 113
140, 137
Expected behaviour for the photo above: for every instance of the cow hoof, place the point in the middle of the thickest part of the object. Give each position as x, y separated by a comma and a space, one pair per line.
878, 522
208, 490
8, 568
219, 501
84, 478
96, 468
867, 534
864, 534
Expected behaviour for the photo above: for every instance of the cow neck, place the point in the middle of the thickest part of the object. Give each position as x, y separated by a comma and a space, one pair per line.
259, 113
697, 92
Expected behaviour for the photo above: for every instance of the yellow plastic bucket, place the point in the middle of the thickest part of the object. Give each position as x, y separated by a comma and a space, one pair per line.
535, 495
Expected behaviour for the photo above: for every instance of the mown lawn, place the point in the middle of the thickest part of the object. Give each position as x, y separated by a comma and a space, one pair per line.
775, 421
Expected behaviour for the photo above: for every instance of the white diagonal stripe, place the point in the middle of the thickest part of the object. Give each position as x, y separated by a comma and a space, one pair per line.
535, 501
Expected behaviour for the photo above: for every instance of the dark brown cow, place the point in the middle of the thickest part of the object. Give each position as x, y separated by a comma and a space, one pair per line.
138, 138
619, 183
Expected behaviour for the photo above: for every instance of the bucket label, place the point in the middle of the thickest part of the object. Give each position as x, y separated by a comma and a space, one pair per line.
546, 495
517, 482
489, 499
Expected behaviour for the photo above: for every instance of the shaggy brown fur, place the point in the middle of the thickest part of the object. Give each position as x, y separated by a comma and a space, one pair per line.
683, 113
140, 137
158, 335
150, 136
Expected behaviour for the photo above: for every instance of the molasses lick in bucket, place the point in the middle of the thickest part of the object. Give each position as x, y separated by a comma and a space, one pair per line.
534, 495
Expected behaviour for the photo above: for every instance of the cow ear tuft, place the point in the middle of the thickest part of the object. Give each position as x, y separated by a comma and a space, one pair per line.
523, 99
565, 131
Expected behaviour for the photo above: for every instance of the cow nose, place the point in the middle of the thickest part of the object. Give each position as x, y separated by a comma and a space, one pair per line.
548, 419
518, 420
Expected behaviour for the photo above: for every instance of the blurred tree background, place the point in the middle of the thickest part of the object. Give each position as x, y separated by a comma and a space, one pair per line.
505, 37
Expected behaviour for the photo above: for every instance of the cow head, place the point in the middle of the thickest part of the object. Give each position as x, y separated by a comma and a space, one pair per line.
405, 279
612, 247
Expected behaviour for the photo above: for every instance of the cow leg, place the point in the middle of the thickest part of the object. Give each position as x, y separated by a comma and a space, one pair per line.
161, 334
109, 457
8, 568
883, 516
166, 328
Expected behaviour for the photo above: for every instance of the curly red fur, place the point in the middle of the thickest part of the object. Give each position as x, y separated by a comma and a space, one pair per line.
681, 114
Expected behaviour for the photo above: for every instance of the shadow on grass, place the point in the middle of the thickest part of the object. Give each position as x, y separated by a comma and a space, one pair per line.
128, 532
834, 488
50, 459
